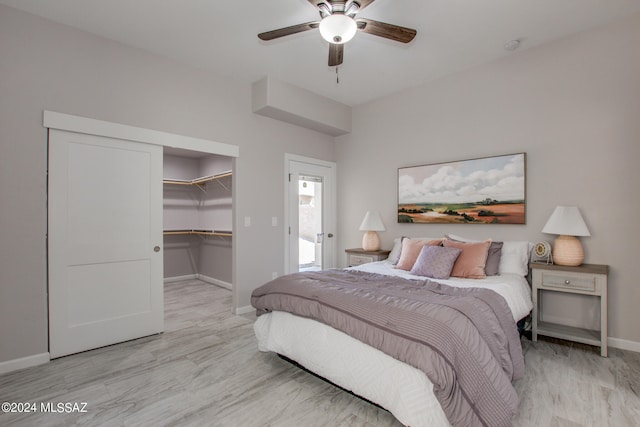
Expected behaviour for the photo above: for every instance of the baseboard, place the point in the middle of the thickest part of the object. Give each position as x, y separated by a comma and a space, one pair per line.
179, 278
624, 344
244, 310
202, 277
214, 281
24, 362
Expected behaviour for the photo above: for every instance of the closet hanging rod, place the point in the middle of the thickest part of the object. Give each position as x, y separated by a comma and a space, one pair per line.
197, 181
220, 233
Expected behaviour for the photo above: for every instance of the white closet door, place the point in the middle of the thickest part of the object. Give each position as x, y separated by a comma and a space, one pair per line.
105, 241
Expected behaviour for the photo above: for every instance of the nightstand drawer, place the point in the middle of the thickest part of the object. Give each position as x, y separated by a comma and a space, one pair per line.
569, 281
358, 256
355, 260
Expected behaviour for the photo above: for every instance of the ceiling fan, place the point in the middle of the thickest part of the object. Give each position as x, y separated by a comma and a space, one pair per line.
339, 24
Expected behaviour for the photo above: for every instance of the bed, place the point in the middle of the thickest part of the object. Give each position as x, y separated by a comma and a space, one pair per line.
395, 381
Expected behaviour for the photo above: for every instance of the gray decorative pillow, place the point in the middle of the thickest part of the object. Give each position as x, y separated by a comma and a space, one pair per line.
492, 267
435, 262
493, 260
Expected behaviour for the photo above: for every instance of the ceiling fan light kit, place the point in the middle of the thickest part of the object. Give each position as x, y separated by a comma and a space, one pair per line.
338, 25
338, 28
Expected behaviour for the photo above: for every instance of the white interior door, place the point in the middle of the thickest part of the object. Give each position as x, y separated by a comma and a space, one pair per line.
311, 215
104, 242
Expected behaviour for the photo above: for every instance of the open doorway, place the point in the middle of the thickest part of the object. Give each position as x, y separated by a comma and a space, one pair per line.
197, 216
310, 231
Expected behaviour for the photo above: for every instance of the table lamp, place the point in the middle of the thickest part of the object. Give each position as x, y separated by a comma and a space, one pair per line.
371, 224
567, 223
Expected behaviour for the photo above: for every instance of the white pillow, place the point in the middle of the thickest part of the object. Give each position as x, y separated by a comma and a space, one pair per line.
514, 258
394, 255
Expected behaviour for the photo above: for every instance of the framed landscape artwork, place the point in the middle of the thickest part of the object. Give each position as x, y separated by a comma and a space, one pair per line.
489, 190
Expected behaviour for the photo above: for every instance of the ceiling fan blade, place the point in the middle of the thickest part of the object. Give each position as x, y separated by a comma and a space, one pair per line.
281, 32
388, 31
336, 54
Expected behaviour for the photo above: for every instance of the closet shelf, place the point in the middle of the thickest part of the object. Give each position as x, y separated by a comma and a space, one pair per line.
197, 181
220, 233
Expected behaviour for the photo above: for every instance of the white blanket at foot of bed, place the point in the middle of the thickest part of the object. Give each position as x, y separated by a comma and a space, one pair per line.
403, 390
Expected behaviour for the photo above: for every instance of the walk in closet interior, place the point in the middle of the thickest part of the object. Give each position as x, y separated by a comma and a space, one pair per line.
197, 216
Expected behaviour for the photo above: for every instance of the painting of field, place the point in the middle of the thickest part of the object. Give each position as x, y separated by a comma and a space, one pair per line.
481, 191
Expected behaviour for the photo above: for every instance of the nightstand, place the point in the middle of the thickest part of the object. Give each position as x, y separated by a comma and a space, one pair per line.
358, 256
586, 279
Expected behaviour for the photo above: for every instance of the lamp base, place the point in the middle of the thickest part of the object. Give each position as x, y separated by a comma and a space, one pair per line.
567, 250
370, 241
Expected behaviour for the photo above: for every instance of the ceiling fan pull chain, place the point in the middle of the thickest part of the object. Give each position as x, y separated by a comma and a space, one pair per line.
337, 76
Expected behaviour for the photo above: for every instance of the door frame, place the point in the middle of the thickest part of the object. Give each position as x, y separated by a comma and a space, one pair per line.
332, 209
80, 124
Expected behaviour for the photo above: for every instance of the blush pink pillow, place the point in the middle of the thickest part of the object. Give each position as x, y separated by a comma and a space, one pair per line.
472, 260
411, 249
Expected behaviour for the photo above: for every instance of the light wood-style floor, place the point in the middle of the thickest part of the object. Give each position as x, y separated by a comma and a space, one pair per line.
205, 370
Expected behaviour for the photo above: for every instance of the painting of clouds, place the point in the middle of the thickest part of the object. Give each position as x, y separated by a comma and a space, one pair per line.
490, 190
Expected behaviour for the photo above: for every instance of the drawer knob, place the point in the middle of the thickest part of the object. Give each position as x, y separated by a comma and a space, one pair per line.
567, 282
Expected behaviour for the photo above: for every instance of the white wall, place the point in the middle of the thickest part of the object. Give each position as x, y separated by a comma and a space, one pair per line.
180, 202
44, 65
573, 106
179, 212
215, 213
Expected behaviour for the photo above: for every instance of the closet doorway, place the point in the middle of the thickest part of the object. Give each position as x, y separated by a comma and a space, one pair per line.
105, 249
197, 216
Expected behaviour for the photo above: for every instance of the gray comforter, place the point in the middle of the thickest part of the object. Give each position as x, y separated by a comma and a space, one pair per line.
465, 340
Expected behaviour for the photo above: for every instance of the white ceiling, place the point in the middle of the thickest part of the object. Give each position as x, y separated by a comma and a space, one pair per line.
220, 35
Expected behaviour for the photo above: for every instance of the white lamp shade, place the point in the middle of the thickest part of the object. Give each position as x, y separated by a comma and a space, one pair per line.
372, 222
567, 221
338, 28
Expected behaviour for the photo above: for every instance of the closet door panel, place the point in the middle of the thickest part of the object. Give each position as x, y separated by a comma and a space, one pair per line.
105, 238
